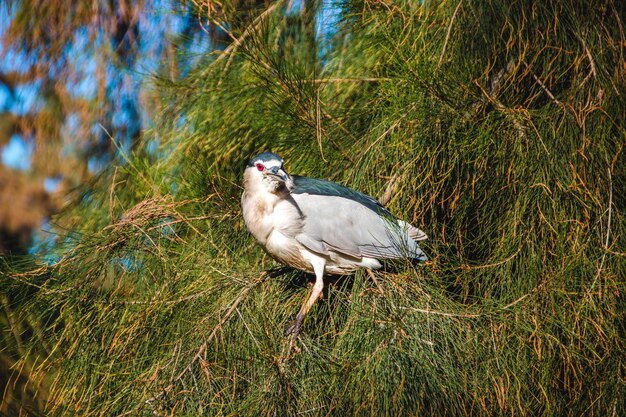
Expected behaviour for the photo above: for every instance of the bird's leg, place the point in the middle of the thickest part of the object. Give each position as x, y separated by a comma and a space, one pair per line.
294, 329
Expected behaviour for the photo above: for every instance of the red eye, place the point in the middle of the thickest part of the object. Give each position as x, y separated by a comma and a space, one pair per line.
260, 167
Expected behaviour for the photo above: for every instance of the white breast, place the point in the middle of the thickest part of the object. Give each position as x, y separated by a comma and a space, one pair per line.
258, 214
274, 222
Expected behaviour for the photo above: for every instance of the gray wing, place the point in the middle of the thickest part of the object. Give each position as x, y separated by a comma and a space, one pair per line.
340, 224
316, 186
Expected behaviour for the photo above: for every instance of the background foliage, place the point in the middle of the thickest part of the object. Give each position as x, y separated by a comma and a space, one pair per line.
497, 127
71, 95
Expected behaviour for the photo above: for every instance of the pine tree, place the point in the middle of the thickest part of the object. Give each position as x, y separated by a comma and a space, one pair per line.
497, 127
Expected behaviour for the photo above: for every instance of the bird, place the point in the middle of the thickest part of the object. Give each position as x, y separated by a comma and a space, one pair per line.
319, 226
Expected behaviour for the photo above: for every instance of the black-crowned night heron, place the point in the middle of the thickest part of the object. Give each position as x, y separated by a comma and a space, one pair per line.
319, 226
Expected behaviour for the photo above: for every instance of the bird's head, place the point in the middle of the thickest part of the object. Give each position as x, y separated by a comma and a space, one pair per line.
264, 172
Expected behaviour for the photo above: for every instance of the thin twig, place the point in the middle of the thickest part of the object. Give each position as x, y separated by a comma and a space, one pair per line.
546, 90
608, 235
445, 43
343, 80
511, 304
468, 267
441, 313
519, 299
256, 342
592, 71
111, 192
543, 87
318, 123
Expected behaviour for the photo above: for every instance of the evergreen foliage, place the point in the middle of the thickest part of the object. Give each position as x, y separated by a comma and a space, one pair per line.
496, 127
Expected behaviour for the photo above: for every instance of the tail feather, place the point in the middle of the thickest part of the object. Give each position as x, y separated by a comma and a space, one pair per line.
412, 231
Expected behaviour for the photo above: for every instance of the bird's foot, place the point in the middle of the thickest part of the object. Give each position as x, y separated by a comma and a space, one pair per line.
293, 328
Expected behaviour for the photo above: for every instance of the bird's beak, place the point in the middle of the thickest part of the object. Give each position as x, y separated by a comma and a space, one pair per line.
279, 173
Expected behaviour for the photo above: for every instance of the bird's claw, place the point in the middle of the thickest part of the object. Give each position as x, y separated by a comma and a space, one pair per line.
293, 328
